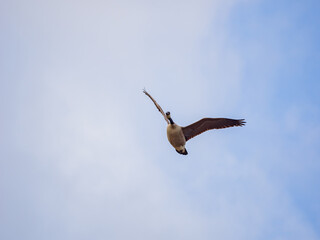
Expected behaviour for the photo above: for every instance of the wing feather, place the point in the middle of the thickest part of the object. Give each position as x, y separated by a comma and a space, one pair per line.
206, 124
157, 105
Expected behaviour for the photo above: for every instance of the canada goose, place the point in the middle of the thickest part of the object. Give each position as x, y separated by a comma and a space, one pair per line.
178, 136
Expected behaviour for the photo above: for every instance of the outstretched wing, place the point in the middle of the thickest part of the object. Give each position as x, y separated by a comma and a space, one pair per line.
206, 124
157, 105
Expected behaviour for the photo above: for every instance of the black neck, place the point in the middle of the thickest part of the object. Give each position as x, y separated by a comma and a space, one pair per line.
171, 121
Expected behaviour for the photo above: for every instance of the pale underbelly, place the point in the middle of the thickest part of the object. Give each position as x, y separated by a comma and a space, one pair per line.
176, 138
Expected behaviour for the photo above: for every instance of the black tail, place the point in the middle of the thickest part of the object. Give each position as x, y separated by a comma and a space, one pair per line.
183, 152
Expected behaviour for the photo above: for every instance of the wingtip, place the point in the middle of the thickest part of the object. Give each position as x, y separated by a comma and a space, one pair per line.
242, 122
144, 91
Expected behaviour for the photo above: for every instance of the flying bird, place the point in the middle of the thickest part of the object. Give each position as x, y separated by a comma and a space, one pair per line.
178, 136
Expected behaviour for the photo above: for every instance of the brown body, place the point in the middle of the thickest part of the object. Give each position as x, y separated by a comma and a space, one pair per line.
176, 137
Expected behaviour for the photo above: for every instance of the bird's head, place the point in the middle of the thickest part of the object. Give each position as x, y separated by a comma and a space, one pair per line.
169, 117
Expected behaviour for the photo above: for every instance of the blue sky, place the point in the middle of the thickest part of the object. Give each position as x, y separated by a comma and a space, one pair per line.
84, 153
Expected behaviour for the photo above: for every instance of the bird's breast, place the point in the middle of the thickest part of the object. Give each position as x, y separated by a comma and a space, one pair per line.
175, 135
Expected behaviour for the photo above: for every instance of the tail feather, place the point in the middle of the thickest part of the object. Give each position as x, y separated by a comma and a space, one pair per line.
183, 152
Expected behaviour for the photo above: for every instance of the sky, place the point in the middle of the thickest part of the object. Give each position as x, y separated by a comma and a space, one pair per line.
84, 154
